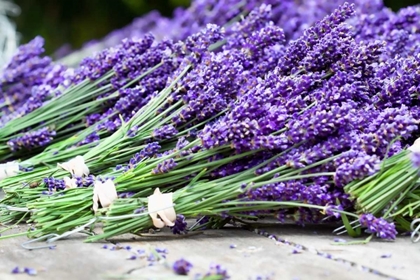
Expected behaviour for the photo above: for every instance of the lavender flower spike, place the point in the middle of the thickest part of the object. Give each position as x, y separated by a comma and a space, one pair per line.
378, 226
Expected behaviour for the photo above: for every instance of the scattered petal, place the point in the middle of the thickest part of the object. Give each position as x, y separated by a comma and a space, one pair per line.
16, 270
30, 271
340, 240
182, 267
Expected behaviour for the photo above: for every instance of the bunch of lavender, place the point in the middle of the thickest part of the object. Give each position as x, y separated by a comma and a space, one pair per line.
29, 81
225, 197
98, 78
392, 193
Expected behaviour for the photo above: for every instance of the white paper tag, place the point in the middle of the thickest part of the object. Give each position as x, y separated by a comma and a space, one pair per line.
415, 148
75, 166
70, 182
8, 169
105, 193
161, 205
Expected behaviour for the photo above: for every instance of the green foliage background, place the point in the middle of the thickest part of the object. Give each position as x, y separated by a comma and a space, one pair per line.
78, 21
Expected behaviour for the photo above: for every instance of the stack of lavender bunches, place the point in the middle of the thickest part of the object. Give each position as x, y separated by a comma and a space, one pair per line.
238, 123
44, 103
292, 16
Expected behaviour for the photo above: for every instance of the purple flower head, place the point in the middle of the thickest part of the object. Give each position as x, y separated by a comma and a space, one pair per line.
139, 210
298, 49
16, 270
378, 226
182, 267
217, 270
197, 44
356, 166
319, 121
330, 210
150, 150
165, 166
180, 225
91, 138
32, 139
34, 48
54, 184
164, 132
30, 271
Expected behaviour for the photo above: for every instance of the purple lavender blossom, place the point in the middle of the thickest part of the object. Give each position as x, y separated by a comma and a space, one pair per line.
165, 166
164, 132
297, 49
357, 165
32, 139
16, 270
150, 150
54, 184
182, 267
180, 225
378, 226
217, 270
30, 271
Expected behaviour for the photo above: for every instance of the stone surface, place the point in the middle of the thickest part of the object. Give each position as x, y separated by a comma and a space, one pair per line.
397, 259
253, 256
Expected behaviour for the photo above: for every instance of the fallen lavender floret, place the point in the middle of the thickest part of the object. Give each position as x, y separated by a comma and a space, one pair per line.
217, 270
182, 267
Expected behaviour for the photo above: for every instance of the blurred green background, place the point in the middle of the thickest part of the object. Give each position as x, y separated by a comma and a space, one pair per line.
78, 21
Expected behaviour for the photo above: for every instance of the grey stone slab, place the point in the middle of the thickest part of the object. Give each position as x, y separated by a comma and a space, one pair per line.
71, 259
253, 256
399, 259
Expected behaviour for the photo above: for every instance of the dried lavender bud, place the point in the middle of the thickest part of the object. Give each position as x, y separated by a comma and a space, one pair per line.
54, 184
358, 166
378, 226
150, 150
30, 271
182, 267
164, 167
217, 270
164, 132
298, 49
16, 270
91, 138
85, 181
180, 225
32, 139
